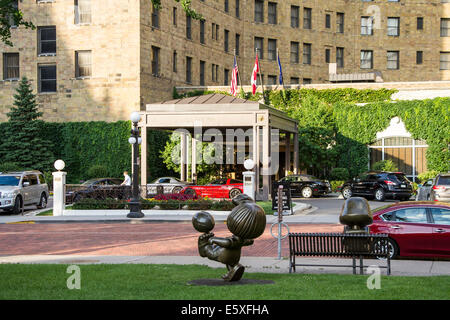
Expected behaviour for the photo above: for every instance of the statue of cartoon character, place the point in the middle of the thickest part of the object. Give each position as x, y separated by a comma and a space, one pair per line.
247, 221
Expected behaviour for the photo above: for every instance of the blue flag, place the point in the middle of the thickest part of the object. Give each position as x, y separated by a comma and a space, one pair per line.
281, 71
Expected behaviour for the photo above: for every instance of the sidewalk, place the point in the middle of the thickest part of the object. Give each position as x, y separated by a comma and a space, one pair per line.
252, 264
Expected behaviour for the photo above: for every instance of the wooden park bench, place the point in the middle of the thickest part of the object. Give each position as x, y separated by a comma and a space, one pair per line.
343, 245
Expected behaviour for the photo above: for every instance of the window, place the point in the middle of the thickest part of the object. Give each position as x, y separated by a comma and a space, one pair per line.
272, 8
11, 66
47, 40
236, 42
445, 27
83, 64
213, 31
295, 13
419, 57
155, 61
174, 16
237, 7
393, 26
413, 215
366, 26
366, 59
226, 76
202, 73
174, 61
188, 69
327, 21
271, 80
155, 17
306, 53
441, 216
259, 11
445, 61
226, 34
327, 55
340, 57
307, 80
393, 60
307, 16
82, 11
188, 27
419, 23
340, 22
295, 52
214, 72
202, 31
10, 18
272, 49
226, 6
259, 46
47, 78
295, 80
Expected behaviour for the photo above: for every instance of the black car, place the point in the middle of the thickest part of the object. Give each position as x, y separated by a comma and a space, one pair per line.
379, 185
101, 188
307, 186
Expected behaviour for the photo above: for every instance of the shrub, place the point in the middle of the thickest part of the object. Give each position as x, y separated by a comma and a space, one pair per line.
175, 196
339, 174
385, 165
335, 184
97, 171
9, 166
424, 176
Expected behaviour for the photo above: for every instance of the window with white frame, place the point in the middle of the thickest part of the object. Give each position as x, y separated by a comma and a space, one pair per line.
83, 11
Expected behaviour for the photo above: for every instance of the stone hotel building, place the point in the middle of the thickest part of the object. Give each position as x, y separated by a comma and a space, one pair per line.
100, 60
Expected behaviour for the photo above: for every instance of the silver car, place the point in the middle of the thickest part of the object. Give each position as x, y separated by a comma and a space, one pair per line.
18, 189
168, 184
437, 189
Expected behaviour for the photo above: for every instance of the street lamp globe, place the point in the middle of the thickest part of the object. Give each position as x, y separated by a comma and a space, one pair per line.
135, 117
132, 140
59, 165
249, 164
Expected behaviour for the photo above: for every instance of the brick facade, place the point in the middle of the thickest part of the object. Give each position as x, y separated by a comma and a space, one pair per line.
132, 51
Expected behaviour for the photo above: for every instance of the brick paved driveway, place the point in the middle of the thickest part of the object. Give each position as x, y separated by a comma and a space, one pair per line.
124, 239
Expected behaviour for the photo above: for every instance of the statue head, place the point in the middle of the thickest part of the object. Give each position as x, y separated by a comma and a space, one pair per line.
247, 220
356, 214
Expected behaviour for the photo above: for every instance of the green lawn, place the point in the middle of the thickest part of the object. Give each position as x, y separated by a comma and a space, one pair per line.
128, 281
267, 206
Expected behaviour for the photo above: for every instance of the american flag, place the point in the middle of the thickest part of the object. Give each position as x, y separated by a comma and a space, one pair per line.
234, 76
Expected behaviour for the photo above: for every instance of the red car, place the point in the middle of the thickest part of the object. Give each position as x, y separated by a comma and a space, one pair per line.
419, 229
221, 188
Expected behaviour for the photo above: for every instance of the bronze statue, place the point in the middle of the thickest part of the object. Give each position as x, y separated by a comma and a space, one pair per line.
356, 215
247, 221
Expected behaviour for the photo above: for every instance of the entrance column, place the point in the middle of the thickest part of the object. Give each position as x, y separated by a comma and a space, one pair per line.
287, 153
265, 161
194, 159
296, 154
144, 157
256, 151
183, 157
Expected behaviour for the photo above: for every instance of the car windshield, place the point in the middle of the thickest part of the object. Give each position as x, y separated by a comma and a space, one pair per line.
444, 180
88, 182
9, 180
308, 178
219, 181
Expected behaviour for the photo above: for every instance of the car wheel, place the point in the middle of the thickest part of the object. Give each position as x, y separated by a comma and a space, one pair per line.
347, 192
380, 195
307, 192
392, 248
190, 192
17, 205
234, 193
43, 202
176, 189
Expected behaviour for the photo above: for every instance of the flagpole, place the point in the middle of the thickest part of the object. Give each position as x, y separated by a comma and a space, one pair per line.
239, 72
260, 76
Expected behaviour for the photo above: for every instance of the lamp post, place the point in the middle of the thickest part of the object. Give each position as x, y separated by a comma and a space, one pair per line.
135, 140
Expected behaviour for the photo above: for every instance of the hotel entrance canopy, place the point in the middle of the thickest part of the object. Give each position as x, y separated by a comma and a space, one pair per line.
222, 112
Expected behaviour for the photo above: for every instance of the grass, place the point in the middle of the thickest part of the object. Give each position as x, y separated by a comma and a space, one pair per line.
138, 281
267, 206
46, 213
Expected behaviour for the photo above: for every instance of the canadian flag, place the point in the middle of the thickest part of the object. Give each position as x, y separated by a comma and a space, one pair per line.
255, 75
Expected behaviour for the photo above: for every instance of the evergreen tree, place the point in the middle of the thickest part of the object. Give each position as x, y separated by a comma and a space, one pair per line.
22, 143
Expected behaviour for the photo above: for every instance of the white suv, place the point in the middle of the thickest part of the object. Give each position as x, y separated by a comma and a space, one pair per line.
18, 189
